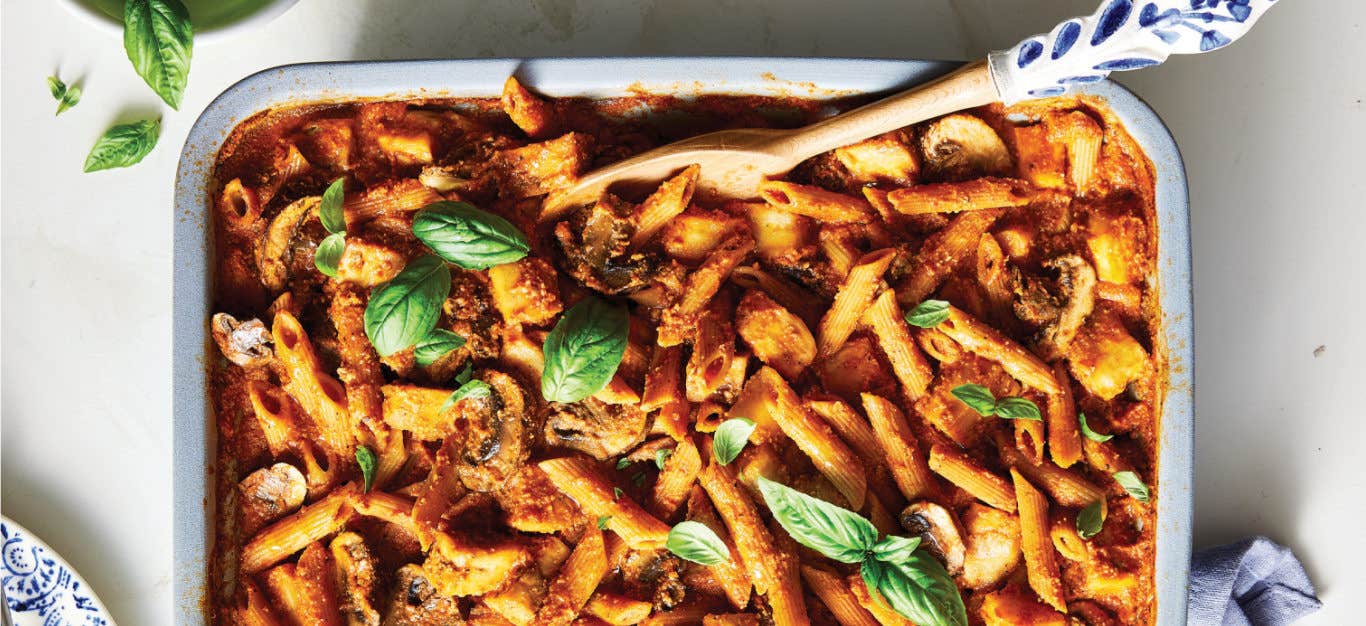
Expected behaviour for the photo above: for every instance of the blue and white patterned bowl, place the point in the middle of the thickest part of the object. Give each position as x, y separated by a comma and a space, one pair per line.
40, 587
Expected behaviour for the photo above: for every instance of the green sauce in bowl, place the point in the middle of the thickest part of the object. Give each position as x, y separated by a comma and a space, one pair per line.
204, 14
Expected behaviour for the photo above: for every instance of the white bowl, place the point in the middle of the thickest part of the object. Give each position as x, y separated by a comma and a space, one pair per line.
268, 11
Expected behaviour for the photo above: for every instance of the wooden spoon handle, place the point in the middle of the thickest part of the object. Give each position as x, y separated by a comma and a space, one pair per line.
967, 87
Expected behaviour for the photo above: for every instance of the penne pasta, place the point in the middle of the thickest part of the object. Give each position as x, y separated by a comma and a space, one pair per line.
1066, 487
305, 590
972, 195
854, 296
578, 578
1040, 560
942, 253
1064, 431
680, 318
899, 447
669, 200
971, 477
909, 364
753, 541
528, 111
814, 202
789, 296
580, 480
713, 350
989, 343
294, 533
321, 396
274, 412
617, 609
675, 480
832, 458
833, 590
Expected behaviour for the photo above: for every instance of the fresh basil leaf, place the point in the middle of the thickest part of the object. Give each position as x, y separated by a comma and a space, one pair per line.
920, 589
471, 389
330, 211
623, 463
602, 521
159, 40
977, 397
435, 345
404, 310
365, 458
329, 253
638, 479
895, 549
1091, 434
839, 534
694, 541
928, 314
662, 455
1132, 484
123, 145
1017, 409
65, 96
584, 349
469, 237
1090, 520
730, 438
617, 493
464, 375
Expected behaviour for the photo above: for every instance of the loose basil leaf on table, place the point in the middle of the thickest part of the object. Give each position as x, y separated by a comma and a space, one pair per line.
65, 96
328, 255
404, 310
730, 439
1091, 519
435, 345
365, 458
694, 541
928, 314
1132, 484
469, 237
584, 349
1091, 434
330, 211
919, 588
159, 40
123, 145
837, 533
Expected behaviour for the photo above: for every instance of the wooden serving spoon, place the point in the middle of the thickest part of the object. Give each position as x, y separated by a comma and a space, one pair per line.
1121, 35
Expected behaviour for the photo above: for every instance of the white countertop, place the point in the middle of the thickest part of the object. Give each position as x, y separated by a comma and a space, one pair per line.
1272, 131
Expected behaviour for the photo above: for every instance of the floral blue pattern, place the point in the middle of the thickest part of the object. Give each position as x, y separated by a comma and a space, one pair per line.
1121, 35
39, 588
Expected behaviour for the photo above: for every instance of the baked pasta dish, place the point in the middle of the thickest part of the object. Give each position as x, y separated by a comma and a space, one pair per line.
916, 381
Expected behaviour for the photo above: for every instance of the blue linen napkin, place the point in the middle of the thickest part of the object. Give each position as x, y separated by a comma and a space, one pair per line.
1253, 582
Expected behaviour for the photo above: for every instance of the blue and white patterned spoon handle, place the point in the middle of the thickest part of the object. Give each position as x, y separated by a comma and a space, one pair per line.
1121, 35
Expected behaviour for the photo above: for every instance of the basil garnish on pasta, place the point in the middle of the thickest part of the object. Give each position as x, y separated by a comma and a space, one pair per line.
330, 212
1091, 434
469, 237
159, 40
694, 541
730, 438
662, 455
912, 581
365, 458
583, 350
1090, 519
1133, 485
328, 255
435, 345
981, 400
123, 145
472, 389
404, 310
928, 314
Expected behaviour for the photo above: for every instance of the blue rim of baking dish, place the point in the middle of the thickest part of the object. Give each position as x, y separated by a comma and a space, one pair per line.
194, 434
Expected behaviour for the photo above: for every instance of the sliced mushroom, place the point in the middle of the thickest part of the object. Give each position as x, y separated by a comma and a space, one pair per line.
939, 532
355, 574
595, 428
463, 566
596, 243
416, 602
1062, 313
443, 178
962, 146
269, 494
244, 343
654, 574
274, 251
496, 434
